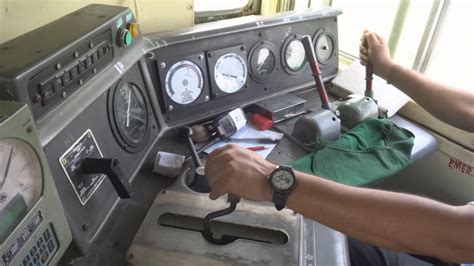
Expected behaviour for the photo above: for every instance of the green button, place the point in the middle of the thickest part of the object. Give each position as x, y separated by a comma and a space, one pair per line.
127, 40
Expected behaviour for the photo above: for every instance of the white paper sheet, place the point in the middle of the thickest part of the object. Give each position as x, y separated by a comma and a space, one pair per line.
248, 131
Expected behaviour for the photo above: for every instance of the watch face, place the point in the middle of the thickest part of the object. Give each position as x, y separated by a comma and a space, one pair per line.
282, 179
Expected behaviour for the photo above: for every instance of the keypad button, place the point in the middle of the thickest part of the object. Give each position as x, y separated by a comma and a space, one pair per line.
36, 259
42, 250
46, 235
44, 258
50, 246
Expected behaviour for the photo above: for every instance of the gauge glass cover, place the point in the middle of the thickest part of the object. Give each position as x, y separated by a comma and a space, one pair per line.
230, 73
130, 113
324, 47
265, 61
21, 183
184, 82
295, 55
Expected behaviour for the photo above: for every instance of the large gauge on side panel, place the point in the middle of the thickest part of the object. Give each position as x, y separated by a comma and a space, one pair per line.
293, 55
129, 114
228, 70
183, 82
325, 45
33, 226
263, 61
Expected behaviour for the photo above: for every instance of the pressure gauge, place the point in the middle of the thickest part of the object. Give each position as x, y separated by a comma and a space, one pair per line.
294, 55
20, 182
263, 58
184, 82
130, 115
230, 73
324, 46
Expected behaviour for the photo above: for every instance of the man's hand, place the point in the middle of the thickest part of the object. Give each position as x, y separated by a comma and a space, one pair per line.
239, 171
373, 48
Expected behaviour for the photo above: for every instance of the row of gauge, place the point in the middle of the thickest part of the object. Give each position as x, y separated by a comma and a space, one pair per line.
185, 82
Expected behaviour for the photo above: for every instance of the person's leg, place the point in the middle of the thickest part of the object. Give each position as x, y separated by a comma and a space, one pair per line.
362, 254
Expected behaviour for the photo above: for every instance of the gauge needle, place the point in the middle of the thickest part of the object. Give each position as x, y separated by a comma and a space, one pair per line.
128, 107
7, 167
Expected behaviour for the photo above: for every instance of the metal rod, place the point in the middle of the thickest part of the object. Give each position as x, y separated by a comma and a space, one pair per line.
313, 62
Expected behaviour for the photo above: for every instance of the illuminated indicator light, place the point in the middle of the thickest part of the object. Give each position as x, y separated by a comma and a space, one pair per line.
127, 40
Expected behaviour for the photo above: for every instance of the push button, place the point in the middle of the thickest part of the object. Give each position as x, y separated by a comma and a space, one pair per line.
57, 84
74, 72
50, 246
66, 78
46, 235
88, 61
46, 90
82, 66
124, 38
95, 57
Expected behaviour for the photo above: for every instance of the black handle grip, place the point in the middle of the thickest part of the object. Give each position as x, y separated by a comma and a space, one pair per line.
109, 167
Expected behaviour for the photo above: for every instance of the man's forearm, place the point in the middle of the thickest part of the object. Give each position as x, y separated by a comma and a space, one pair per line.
449, 104
432, 229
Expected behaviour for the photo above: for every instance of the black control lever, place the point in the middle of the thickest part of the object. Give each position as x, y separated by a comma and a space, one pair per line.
109, 167
187, 132
207, 233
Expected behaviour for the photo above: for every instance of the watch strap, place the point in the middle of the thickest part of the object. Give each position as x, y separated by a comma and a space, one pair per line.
279, 199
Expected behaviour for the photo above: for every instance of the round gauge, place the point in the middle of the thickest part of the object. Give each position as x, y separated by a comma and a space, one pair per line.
130, 115
324, 47
184, 82
295, 55
230, 73
263, 61
21, 182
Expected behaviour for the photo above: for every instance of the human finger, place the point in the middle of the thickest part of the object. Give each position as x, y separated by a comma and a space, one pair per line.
363, 60
218, 189
372, 40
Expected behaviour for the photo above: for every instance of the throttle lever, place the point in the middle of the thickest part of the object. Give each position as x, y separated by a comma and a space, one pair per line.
187, 132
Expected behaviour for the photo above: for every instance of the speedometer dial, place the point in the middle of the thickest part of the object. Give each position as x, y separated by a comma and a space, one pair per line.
20, 182
230, 73
184, 82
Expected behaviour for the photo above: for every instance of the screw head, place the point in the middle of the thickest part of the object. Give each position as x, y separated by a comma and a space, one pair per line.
162, 64
170, 107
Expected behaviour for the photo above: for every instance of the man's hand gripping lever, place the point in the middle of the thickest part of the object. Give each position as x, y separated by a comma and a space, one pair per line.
187, 132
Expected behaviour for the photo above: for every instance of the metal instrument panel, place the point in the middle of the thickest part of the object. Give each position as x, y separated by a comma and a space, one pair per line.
244, 62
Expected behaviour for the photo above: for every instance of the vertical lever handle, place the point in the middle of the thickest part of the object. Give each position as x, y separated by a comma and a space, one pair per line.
109, 167
313, 62
368, 80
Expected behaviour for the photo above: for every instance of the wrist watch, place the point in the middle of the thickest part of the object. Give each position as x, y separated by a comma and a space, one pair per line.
282, 181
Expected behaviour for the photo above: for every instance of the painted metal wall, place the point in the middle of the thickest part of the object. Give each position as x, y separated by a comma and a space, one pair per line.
447, 175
